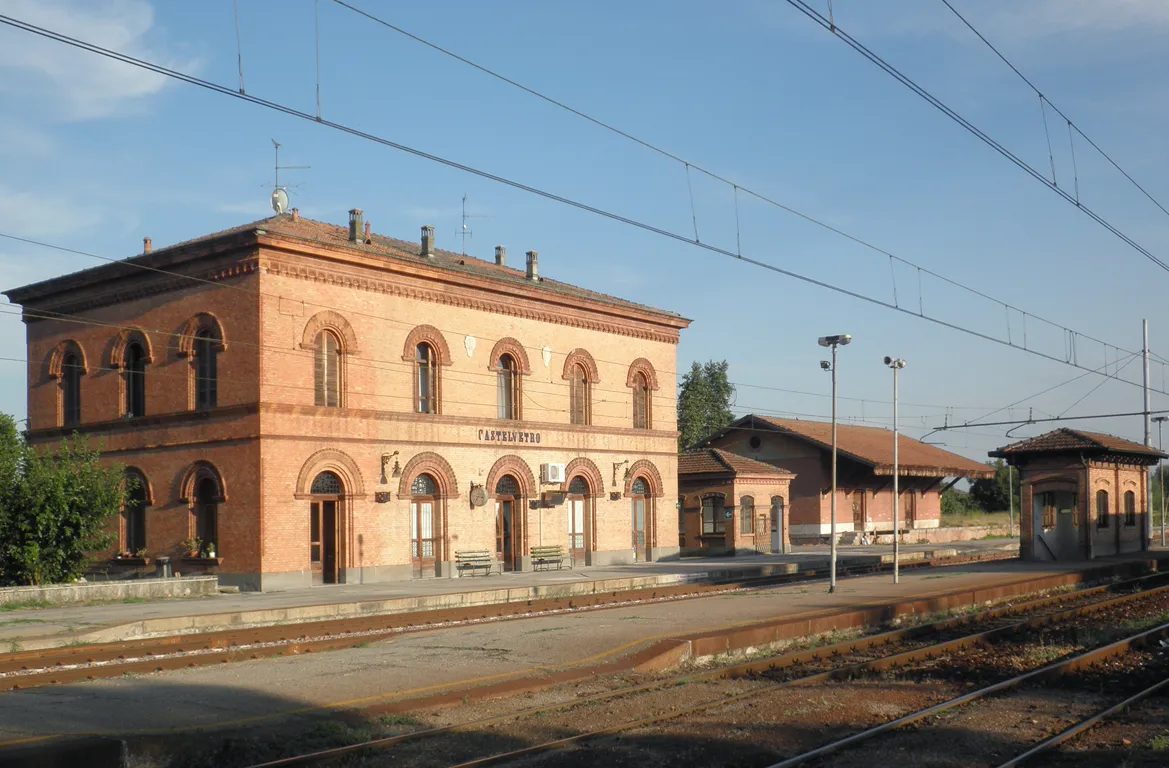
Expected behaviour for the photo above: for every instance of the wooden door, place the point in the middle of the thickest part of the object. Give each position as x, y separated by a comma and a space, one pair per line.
858, 510
323, 541
505, 533
908, 509
638, 525
576, 528
422, 538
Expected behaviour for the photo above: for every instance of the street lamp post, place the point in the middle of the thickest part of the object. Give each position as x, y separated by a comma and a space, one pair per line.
1161, 472
841, 339
896, 365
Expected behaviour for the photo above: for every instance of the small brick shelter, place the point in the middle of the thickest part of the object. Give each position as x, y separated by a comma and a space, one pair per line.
730, 504
1086, 494
864, 473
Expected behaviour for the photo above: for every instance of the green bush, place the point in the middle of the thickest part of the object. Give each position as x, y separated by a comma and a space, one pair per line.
55, 503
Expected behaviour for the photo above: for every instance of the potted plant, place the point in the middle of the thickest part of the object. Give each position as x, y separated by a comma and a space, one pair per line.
141, 553
193, 545
211, 549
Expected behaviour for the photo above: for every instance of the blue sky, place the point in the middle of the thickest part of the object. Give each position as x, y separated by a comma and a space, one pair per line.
96, 155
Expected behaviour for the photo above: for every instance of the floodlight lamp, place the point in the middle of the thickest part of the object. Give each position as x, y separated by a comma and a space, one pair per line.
839, 339
826, 365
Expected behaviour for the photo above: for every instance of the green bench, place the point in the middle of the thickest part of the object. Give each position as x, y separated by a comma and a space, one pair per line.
479, 558
546, 556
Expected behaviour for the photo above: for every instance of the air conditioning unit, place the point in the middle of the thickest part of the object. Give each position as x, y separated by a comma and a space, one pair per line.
551, 473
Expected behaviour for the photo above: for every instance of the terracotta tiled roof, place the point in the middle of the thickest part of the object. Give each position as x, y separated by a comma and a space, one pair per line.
873, 446
716, 460
387, 247
1075, 440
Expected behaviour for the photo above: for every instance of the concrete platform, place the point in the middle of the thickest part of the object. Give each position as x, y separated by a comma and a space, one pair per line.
35, 629
401, 671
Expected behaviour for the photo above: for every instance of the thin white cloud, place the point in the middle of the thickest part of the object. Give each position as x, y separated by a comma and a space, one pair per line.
73, 84
31, 215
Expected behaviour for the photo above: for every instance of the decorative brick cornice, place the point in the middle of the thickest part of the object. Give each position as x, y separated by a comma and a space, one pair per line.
463, 298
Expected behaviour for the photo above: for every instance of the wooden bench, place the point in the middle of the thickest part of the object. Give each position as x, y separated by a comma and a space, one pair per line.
479, 558
546, 556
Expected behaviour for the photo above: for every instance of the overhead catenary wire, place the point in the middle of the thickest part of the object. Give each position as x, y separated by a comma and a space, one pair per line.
689, 164
948, 111
554, 197
1071, 125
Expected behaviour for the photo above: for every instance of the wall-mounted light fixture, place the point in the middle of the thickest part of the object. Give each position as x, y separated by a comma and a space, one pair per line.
616, 466
397, 472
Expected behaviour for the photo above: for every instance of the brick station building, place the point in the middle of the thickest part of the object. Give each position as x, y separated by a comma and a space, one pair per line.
321, 404
730, 504
864, 474
1086, 492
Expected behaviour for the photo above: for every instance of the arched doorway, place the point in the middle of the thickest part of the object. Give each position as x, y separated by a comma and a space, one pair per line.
639, 493
508, 499
424, 495
578, 515
327, 492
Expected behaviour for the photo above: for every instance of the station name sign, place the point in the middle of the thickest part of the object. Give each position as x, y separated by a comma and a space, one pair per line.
504, 436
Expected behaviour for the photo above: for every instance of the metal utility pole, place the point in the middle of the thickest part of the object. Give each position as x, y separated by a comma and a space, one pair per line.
1148, 441
1161, 471
833, 341
1011, 502
896, 365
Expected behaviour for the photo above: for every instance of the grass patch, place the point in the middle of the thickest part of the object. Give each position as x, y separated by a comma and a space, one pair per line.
1133, 625
546, 629
20, 605
1160, 743
993, 519
395, 719
11, 622
134, 600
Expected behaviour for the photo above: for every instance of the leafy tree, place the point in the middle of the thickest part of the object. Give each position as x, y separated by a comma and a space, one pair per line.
704, 402
955, 503
55, 507
992, 494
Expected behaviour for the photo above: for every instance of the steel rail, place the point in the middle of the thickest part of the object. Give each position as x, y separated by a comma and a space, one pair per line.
1083, 725
754, 668
1051, 670
28, 669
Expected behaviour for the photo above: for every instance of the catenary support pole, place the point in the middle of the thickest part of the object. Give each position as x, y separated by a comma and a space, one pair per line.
1148, 542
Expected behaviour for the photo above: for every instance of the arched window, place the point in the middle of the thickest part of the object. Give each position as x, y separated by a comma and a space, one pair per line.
639, 490
327, 370
507, 486
71, 370
641, 401
207, 512
426, 375
508, 387
327, 484
1130, 508
578, 492
206, 350
134, 514
578, 396
1102, 512
578, 487
746, 515
134, 364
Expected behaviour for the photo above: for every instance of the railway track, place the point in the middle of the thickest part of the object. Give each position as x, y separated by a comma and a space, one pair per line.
30, 669
747, 681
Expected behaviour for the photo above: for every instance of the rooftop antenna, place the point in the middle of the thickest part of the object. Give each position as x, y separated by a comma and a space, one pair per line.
279, 193
465, 231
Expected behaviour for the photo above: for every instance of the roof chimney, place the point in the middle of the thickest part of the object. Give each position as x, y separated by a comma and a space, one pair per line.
296, 214
533, 266
500, 256
428, 241
368, 239
147, 245
355, 217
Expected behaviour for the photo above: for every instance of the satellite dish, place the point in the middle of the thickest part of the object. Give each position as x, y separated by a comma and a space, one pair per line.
279, 200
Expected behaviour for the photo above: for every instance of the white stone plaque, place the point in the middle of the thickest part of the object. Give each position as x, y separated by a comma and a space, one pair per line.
469, 343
